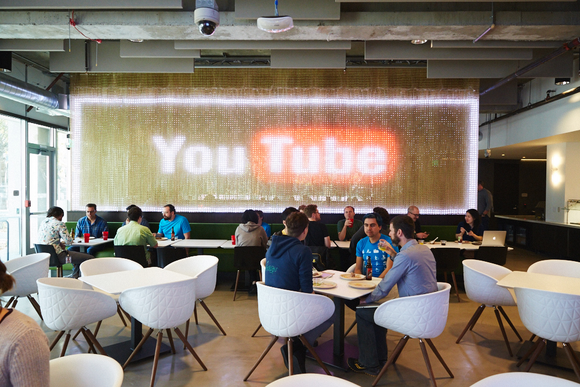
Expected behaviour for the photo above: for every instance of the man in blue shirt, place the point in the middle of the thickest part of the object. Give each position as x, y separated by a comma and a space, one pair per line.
171, 220
93, 225
413, 272
369, 247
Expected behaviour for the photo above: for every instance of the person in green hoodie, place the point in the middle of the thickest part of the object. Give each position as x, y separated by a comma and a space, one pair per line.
289, 266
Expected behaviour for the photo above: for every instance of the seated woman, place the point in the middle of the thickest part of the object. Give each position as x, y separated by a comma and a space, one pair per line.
249, 232
24, 353
470, 229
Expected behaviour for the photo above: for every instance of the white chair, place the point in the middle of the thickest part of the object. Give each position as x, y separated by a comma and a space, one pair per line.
161, 307
556, 267
317, 380
85, 370
480, 279
420, 317
285, 313
26, 270
263, 267
550, 316
523, 379
69, 304
204, 269
109, 265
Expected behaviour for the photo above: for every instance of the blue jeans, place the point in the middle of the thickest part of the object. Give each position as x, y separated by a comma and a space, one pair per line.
315, 333
372, 339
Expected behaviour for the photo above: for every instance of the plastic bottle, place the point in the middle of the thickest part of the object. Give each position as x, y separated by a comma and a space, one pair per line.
369, 271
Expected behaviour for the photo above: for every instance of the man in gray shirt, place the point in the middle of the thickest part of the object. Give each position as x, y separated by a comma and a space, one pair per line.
413, 272
484, 204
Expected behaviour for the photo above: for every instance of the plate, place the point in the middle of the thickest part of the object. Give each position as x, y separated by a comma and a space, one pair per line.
316, 275
349, 277
324, 285
161, 239
362, 285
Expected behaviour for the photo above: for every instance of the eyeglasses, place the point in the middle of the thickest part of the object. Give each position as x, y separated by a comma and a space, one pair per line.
417, 215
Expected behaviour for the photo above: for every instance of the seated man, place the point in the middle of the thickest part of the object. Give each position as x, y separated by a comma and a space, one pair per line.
348, 226
143, 221
249, 232
413, 272
264, 225
52, 231
171, 221
289, 266
413, 213
369, 247
92, 224
133, 234
287, 211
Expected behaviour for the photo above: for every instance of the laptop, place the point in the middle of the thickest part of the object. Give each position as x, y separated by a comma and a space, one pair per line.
493, 238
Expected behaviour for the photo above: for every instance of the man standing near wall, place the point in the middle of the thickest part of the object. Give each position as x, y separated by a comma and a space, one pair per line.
484, 204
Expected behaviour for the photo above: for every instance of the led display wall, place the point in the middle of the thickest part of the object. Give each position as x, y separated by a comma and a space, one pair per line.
228, 140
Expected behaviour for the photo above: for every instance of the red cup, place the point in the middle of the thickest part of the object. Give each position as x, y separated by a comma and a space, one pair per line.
105, 235
351, 222
233, 239
87, 235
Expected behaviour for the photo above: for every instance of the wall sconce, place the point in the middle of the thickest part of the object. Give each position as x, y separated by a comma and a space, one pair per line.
556, 176
561, 81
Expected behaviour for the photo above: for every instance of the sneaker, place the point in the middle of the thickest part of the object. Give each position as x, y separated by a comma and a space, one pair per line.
299, 359
356, 366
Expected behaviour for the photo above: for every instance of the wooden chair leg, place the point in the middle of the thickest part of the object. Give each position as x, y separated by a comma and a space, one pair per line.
257, 329
93, 338
436, 352
536, 353
76, 335
156, 358
66, 340
138, 347
455, 285
186, 333
98, 327
313, 353
121, 315
290, 345
10, 301
527, 354
202, 303
56, 339
189, 347
270, 345
236, 285
573, 359
392, 358
507, 343
170, 340
510, 322
89, 342
195, 313
350, 328
35, 306
471, 322
427, 362
400, 350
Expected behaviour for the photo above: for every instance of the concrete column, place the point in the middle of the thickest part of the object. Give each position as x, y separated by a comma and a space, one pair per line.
562, 180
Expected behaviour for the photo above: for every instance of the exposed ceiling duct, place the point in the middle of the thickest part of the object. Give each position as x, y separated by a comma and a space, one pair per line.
22, 92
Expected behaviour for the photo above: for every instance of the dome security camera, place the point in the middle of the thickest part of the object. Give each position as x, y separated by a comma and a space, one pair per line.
207, 20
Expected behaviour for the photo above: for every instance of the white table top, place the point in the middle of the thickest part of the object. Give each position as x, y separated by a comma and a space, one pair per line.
342, 290
117, 282
228, 245
166, 242
547, 282
92, 242
342, 244
463, 246
200, 243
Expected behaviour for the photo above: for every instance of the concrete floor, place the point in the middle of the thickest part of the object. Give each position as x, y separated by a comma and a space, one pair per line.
228, 358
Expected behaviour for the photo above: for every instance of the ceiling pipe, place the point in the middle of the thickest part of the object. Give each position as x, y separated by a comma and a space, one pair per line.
22, 92
565, 48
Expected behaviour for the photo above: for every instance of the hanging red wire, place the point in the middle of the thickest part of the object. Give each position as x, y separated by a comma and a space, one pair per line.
74, 24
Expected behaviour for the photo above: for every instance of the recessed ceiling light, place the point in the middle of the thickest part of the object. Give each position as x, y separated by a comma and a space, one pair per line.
136, 40
523, 157
503, 155
419, 41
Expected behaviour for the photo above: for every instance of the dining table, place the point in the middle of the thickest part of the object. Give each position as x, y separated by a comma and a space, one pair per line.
116, 283
545, 282
92, 242
462, 245
335, 352
200, 244
342, 244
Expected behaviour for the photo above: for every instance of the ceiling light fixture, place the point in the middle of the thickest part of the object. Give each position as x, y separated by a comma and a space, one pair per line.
561, 81
275, 24
136, 40
419, 41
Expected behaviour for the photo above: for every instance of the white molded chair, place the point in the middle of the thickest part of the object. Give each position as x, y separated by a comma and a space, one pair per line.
161, 307
105, 266
285, 313
420, 317
317, 380
523, 379
69, 304
480, 279
560, 267
263, 269
26, 270
85, 370
550, 316
204, 269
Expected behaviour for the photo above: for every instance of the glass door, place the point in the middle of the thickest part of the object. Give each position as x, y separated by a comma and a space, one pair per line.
40, 189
